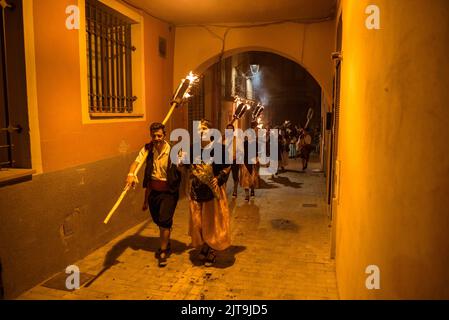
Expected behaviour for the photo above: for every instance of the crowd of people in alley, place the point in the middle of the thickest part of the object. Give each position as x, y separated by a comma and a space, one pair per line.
209, 226
295, 143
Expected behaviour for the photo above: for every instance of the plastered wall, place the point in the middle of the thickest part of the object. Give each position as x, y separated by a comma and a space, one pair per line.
393, 209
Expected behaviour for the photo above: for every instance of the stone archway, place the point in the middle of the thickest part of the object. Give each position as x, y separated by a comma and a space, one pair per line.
211, 61
309, 45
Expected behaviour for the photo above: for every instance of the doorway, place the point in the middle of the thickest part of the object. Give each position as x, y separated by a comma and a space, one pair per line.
14, 126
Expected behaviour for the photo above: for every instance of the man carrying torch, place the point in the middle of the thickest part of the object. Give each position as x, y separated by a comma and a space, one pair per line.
161, 183
161, 179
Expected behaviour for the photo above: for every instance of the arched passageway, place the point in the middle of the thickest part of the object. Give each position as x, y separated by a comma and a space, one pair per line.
284, 87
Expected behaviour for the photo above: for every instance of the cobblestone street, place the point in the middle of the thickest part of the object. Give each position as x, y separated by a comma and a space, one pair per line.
281, 247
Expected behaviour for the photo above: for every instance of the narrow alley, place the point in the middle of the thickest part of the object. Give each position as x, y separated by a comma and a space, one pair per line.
124, 120
280, 250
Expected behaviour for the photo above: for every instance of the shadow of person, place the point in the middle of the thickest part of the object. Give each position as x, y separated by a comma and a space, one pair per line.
287, 182
294, 171
225, 258
135, 242
264, 185
138, 242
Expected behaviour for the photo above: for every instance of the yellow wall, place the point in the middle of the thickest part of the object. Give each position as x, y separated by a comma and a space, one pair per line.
65, 140
197, 48
394, 204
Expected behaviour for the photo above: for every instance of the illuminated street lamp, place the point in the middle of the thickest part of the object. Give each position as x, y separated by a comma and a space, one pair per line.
254, 69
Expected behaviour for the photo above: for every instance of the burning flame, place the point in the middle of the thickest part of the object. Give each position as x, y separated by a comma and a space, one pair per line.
259, 123
192, 77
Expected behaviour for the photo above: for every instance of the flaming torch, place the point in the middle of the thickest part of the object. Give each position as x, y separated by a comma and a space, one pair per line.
309, 117
242, 106
258, 111
181, 93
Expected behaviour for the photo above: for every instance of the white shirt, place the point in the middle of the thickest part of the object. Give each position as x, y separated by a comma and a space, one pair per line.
160, 161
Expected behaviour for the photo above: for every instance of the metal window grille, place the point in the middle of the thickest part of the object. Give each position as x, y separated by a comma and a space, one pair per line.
162, 47
109, 56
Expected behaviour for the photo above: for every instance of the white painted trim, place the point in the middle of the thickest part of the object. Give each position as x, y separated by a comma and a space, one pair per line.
138, 69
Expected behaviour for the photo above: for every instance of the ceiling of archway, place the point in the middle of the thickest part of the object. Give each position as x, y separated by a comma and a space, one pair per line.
235, 11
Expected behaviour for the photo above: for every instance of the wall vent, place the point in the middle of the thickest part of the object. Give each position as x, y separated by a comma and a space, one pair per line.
162, 47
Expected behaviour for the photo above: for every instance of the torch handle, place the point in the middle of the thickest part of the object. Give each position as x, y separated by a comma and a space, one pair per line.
309, 117
117, 203
232, 121
170, 112
307, 124
124, 192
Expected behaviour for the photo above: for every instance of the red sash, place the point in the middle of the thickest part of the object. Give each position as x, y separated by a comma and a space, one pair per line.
158, 185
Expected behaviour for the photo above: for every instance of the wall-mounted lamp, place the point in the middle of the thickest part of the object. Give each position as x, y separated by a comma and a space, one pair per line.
254, 69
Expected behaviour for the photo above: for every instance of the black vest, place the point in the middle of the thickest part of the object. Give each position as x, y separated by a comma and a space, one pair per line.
173, 175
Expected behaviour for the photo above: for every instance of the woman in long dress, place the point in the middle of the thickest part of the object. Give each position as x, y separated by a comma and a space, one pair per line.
209, 214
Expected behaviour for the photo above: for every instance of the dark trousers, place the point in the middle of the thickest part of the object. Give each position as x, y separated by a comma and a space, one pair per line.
235, 168
162, 207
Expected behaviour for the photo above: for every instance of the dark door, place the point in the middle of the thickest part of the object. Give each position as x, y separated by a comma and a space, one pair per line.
14, 134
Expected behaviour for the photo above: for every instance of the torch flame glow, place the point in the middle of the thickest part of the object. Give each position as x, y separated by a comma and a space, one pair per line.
192, 77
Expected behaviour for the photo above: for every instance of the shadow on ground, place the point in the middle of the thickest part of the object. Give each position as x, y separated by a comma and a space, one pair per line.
264, 185
285, 225
225, 258
135, 242
138, 242
287, 182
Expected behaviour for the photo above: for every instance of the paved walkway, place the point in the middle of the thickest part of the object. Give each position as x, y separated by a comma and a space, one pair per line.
281, 245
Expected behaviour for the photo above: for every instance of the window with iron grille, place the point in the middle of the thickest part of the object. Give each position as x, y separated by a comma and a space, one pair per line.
109, 60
